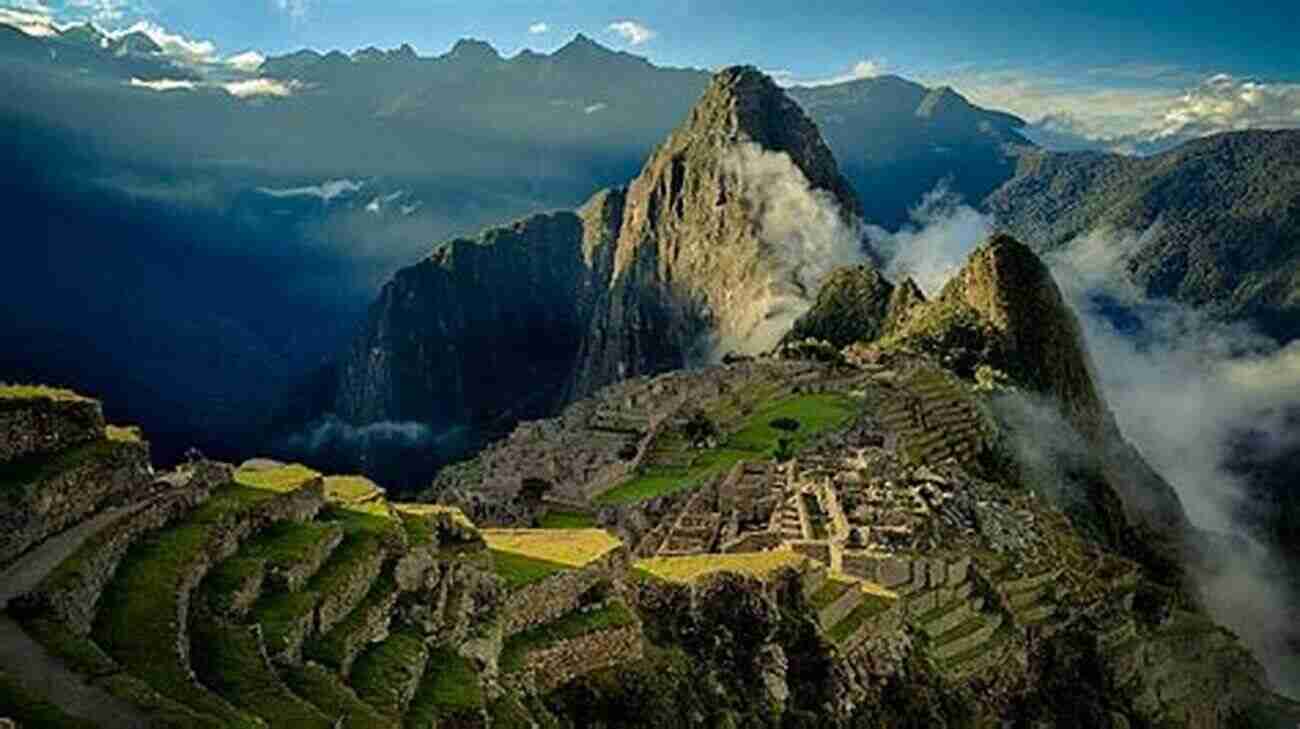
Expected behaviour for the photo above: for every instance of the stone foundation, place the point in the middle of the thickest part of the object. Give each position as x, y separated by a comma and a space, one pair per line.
30, 427
563, 662
559, 595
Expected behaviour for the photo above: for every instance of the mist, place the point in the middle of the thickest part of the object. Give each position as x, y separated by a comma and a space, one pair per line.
1184, 389
807, 235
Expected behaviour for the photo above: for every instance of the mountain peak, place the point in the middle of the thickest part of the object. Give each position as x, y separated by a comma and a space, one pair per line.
474, 50
583, 48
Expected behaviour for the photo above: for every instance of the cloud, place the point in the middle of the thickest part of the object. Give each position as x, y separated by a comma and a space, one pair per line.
593, 108
632, 31
539, 28
936, 244
327, 191
248, 62
1128, 109
165, 84
251, 88
33, 19
107, 11
807, 237
173, 44
865, 68
333, 432
295, 9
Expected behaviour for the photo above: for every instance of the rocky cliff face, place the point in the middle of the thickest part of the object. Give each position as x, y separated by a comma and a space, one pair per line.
700, 247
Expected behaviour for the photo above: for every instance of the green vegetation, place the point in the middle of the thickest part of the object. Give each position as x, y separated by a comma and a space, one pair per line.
326, 691
331, 648
124, 433
278, 613
80, 654
39, 392
228, 659
450, 686
519, 571
829, 593
136, 622
758, 437
282, 478
351, 489
381, 671
872, 605
574, 625
16, 476
564, 519
32, 712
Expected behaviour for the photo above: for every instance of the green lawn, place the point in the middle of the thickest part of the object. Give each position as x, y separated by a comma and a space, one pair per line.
380, 673
872, 605
519, 571
38, 392
573, 625
756, 439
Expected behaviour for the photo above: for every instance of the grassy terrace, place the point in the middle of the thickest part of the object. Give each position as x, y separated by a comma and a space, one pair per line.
573, 625
755, 439
872, 606
570, 547
519, 571
351, 489
136, 622
31, 712
38, 392
450, 686
282, 545
326, 691
829, 593
17, 475
689, 569
562, 519
385, 667
229, 661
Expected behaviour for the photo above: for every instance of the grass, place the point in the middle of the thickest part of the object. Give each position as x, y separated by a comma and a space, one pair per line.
33, 712
829, 593
17, 476
124, 433
450, 686
429, 523
519, 571
756, 439
279, 612
326, 691
574, 625
136, 623
380, 674
331, 649
39, 392
228, 659
570, 547
691, 568
563, 519
872, 605
80, 654
282, 478
351, 489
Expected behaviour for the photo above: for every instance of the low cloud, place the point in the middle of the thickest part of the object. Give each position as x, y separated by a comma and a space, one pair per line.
248, 62
295, 9
593, 108
807, 236
33, 19
539, 28
258, 87
165, 84
333, 432
633, 32
326, 191
865, 68
175, 45
937, 242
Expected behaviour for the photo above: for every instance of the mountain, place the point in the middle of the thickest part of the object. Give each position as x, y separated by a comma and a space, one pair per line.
897, 140
1214, 223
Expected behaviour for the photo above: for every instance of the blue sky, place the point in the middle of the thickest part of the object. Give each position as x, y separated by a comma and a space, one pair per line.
1110, 68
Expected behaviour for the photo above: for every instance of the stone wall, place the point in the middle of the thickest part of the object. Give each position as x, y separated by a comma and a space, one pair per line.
335, 606
39, 426
752, 542
69, 488
899, 570
71, 593
559, 595
563, 662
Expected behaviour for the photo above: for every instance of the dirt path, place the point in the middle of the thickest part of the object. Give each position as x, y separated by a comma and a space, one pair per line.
29, 663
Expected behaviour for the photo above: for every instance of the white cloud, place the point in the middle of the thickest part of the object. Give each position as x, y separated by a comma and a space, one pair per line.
107, 11
539, 28
248, 62
865, 68
260, 87
327, 191
33, 19
164, 84
173, 44
936, 244
593, 108
632, 31
296, 9
1131, 109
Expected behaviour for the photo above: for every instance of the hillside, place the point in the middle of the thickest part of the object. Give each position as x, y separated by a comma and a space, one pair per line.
1218, 219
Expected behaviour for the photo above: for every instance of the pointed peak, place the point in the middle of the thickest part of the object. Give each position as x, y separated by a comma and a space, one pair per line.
582, 47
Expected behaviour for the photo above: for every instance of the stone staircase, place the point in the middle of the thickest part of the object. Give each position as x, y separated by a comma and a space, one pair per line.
934, 419
216, 597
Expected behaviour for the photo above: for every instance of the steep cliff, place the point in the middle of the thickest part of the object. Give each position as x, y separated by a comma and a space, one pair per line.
703, 259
